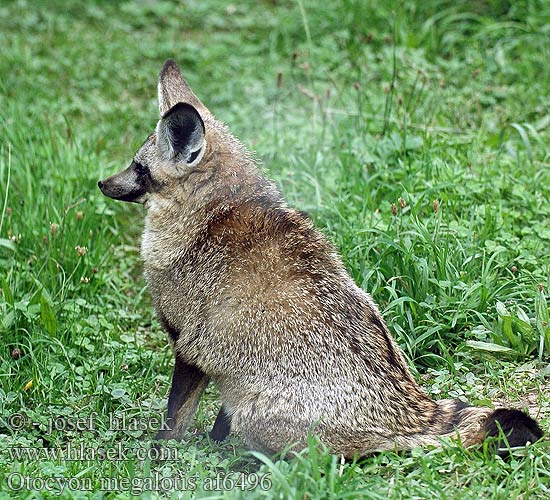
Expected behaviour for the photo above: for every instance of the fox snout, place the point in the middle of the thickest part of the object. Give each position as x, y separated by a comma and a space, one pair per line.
132, 184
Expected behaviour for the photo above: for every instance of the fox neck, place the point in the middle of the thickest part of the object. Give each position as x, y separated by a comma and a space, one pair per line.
173, 225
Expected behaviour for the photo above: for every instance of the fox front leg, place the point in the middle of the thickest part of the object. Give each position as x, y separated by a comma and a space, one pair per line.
188, 384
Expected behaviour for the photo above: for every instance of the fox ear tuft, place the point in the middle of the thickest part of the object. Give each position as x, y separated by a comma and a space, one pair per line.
180, 134
172, 88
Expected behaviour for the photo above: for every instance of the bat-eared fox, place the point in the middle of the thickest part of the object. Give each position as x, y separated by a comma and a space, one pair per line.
255, 298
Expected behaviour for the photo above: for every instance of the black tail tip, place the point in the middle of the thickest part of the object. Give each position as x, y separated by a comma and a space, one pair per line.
518, 427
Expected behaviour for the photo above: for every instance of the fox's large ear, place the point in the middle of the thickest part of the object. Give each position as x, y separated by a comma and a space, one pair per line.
180, 134
172, 88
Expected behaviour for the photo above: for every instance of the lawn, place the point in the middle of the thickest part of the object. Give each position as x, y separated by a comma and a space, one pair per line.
415, 134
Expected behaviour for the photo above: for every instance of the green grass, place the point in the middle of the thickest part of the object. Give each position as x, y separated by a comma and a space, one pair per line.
352, 106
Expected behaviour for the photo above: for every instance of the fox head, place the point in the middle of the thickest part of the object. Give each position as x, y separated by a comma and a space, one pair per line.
188, 160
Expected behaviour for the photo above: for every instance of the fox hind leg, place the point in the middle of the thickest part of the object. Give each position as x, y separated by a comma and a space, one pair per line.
222, 426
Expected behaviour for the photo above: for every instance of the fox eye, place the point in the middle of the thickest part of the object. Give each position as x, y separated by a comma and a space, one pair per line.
140, 168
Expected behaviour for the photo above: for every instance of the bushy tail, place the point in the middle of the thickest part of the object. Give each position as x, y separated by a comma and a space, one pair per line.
518, 427
509, 428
